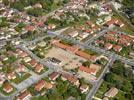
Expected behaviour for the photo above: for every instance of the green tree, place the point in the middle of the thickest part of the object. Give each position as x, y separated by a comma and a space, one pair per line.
86, 63
35, 12
109, 77
5, 2
132, 20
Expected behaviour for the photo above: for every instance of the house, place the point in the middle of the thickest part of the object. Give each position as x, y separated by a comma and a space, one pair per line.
111, 23
48, 85
83, 35
19, 51
93, 58
51, 26
87, 70
40, 24
53, 76
37, 5
117, 48
123, 42
40, 85
83, 54
32, 47
38, 68
42, 44
126, 37
110, 38
108, 46
26, 59
90, 23
11, 76
107, 18
26, 95
111, 33
120, 23
95, 28
21, 68
7, 88
89, 31
23, 54
29, 28
99, 42
112, 92
72, 79
73, 33
33, 63
94, 5
84, 88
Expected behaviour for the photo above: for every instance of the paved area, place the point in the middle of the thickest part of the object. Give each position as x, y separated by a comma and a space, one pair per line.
68, 60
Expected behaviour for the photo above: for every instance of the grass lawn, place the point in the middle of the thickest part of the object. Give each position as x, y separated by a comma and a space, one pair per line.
102, 90
90, 52
21, 78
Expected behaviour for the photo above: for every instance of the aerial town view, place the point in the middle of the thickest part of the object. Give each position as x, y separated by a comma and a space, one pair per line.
66, 49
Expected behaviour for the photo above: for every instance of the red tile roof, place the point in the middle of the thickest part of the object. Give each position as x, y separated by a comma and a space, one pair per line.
23, 54
93, 58
23, 95
69, 77
33, 62
110, 38
108, 46
87, 70
29, 28
123, 42
111, 33
90, 23
40, 24
99, 42
117, 48
21, 68
40, 85
53, 76
7, 88
65, 47
120, 23
39, 68
112, 21
128, 38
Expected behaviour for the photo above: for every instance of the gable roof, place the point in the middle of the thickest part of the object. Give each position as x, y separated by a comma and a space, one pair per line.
87, 70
